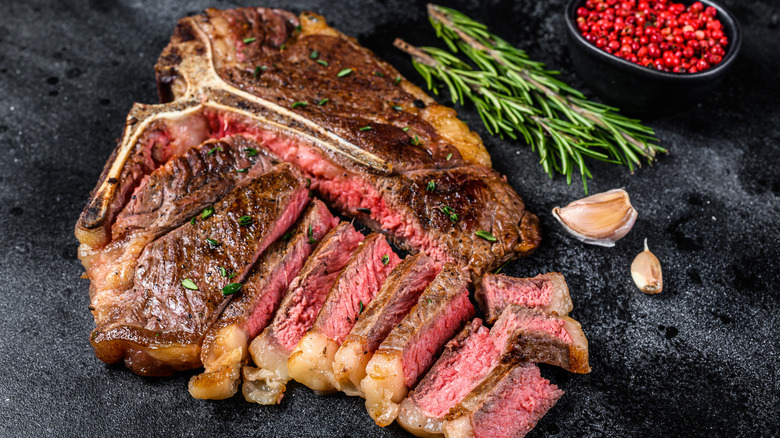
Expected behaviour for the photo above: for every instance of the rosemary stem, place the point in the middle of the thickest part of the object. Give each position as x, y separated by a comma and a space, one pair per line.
417, 53
420, 56
440, 16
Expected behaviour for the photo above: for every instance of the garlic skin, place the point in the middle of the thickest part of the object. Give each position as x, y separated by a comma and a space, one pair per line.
599, 219
646, 272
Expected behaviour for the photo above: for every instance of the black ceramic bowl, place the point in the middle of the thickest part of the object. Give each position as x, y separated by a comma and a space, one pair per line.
642, 91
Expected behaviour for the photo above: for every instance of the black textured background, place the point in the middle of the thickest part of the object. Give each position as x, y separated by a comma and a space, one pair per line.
700, 359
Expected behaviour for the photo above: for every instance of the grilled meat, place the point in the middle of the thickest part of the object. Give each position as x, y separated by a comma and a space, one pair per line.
299, 308
225, 345
413, 345
311, 363
176, 294
392, 303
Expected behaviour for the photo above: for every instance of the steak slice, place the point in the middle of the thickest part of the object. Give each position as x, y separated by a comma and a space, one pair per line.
176, 293
225, 345
507, 404
164, 200
296, 314
412, 346
311, 363
547, 292
391, 304
466, 359
542, 337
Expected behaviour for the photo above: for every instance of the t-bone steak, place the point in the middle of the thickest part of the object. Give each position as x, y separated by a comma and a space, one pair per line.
259, 111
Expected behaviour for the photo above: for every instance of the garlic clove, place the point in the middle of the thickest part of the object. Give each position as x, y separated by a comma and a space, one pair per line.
646, 272
599, 219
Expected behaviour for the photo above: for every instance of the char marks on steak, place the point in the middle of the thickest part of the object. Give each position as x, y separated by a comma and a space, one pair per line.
160, 323
311, 363
413, 345
507, 404
296, 314
548, 292
225, 345
242, 90
392, 303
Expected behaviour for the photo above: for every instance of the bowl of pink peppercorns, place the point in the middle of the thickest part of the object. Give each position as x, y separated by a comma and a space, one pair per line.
651, 57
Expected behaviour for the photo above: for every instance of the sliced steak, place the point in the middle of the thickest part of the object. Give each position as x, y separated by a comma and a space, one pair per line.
548, 292
413, 345
507, 404
391, 304
311, 363
299, 308
164, 200
520, 335
177, 289
542, 337
225, 345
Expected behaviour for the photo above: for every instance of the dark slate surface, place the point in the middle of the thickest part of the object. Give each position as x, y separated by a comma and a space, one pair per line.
701, 359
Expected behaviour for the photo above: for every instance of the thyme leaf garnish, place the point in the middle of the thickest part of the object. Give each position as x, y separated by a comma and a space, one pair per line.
231, 288
449, 212
485, 235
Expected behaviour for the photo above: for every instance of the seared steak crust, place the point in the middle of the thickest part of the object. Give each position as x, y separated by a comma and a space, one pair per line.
187, 184
536, 336
161, 311
165, 199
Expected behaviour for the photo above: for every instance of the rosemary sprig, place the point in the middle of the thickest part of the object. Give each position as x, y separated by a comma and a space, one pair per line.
515, 97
